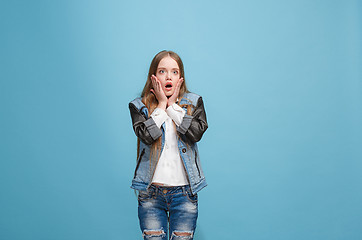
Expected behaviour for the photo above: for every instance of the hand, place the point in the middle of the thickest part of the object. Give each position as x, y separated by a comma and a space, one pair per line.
175, 94
159, 93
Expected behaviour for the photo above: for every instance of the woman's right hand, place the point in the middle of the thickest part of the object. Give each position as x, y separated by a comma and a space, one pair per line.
159, 93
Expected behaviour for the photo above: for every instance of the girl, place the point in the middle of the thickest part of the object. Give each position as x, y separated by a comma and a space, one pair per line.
168, 121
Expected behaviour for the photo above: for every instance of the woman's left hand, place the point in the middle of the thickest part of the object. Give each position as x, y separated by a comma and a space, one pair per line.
175, 94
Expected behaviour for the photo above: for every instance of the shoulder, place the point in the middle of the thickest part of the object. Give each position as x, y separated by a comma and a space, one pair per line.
137, 102
190, 98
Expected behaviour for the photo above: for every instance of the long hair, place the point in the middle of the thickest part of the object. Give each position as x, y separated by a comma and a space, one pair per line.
151, 102
147, 97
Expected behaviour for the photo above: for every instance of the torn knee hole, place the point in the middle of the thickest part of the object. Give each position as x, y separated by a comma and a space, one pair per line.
182, 233
153, 232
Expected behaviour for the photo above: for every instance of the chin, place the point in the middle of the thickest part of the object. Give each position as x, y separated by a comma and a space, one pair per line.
169, 94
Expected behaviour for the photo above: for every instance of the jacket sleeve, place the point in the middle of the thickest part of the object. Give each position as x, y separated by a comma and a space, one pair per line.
145, 129
193, 126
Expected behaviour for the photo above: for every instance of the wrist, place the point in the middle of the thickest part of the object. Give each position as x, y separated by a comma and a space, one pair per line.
162, 105
170, 103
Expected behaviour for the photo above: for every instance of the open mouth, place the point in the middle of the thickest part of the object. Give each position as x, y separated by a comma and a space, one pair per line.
168, 86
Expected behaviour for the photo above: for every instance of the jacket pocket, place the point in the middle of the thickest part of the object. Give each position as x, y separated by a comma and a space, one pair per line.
197, 166
139, 162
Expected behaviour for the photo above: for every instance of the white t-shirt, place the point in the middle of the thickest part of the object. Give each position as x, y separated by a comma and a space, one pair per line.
170, 170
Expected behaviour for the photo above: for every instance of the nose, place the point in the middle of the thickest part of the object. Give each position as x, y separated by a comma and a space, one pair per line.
168, 75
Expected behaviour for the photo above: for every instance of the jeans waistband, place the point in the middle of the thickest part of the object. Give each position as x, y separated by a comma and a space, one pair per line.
170, 189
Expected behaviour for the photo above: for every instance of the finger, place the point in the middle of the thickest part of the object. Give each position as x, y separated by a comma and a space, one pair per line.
154, 84
180, 81
154, 77
159, 83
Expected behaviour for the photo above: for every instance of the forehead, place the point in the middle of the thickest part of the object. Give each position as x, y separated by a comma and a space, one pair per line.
168, 62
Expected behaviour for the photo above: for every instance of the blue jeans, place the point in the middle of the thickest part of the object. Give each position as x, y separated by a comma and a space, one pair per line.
163, 210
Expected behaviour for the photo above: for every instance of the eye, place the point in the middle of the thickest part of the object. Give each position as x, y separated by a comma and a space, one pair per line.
175, 72
161, 71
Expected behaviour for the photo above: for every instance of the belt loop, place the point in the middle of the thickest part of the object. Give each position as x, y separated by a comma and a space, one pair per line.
156, 192
184, 190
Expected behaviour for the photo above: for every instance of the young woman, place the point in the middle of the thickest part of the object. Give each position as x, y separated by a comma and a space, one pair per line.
168, 121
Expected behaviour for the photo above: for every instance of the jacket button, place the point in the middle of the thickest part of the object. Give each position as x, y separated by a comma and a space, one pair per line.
184, 150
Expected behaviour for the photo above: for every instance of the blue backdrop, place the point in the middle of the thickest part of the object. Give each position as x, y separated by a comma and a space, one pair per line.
281, 81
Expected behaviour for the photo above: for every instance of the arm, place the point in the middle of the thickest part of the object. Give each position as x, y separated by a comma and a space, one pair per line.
194, 126
145, 129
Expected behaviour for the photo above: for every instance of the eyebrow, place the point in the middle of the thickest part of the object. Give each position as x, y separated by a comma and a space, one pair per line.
171, 69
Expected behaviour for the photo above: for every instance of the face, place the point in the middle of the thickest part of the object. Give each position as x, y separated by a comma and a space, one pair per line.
168, 73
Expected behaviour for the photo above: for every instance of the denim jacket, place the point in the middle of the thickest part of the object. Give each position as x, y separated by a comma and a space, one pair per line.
188, 134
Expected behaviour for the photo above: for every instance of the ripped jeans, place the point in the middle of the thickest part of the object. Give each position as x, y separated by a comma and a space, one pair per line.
167, 210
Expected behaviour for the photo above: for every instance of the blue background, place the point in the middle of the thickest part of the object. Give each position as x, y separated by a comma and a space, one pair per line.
281, 81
